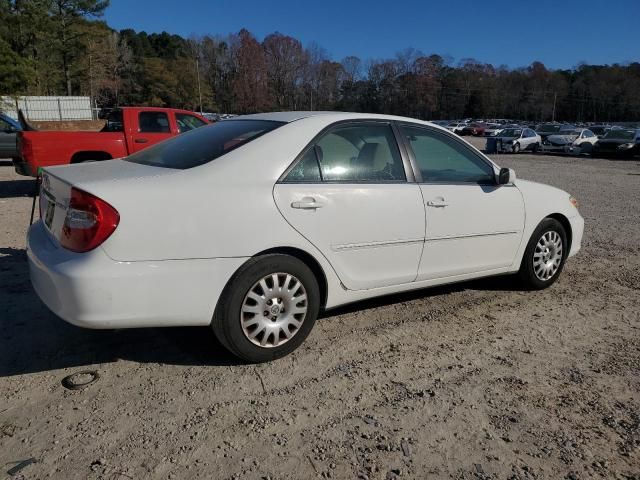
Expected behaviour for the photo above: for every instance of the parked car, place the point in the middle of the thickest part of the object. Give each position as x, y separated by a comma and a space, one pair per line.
547, 129
493, 129
254, 224
619, 143
8, 130
516, 140
599, 130
476, 129
456, 127
576, 141
127, 130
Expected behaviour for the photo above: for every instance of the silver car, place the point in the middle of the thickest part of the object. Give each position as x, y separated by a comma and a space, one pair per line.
515, 140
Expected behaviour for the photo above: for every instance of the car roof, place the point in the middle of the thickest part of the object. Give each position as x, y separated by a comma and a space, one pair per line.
293, 116
156, 109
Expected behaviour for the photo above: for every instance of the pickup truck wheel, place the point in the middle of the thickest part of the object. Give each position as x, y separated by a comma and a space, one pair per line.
268, 308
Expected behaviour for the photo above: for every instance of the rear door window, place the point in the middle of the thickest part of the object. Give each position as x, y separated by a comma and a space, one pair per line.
154, 122
114, 122
352, 153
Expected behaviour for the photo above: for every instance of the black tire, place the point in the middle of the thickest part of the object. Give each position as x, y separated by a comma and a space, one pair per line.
226, 321
516, 147
536, 147
585, 148
527, 272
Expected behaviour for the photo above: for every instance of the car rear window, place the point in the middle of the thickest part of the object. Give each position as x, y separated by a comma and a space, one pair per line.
204, 144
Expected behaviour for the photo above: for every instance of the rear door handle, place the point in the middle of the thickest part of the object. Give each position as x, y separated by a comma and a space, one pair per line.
437, 203
141, 140
307, 203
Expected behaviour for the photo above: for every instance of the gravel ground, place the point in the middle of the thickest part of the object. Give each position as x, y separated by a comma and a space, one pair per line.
477, 380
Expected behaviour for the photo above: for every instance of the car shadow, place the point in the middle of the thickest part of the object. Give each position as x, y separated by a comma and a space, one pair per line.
32, 339
17, 188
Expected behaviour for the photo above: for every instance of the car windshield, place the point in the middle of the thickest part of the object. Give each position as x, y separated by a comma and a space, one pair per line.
620, 134
511, 132
204, 144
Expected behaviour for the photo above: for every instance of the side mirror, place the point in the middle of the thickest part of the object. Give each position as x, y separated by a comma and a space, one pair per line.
506, 176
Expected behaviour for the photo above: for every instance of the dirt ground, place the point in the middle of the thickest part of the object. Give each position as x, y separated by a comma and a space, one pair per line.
477, 380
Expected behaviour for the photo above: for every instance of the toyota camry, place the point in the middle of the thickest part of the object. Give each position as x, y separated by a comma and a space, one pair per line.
255, 224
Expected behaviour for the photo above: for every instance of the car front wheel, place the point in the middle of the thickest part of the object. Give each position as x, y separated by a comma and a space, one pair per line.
545, 255
268, 308
516, 148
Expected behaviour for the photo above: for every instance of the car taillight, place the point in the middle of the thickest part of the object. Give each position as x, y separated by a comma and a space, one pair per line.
89, 222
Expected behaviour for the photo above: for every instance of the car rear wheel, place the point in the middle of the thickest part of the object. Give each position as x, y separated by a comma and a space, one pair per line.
268, 308
516, 148
545, 255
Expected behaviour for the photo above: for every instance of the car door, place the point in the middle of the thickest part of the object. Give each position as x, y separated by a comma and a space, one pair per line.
472, 224
153, 127
7, 140
350, 196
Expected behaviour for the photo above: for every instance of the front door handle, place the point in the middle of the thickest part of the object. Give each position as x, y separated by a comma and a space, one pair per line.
307, 203
141, 140
437, 203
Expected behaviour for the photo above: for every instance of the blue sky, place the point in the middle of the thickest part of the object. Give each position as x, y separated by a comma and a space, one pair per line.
559, 33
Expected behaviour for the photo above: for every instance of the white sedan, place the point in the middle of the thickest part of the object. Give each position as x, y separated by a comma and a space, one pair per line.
576, 141
255, 224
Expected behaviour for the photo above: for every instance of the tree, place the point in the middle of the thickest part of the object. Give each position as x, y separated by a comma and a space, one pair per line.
285, 60
250, 85
66, 16
14, 71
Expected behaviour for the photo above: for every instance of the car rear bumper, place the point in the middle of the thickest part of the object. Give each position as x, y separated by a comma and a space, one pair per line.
93, 291
21, 167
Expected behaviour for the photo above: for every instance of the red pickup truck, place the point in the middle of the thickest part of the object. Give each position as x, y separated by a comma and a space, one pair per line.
127, 130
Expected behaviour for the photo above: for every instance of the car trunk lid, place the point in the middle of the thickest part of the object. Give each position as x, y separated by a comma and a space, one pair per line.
57, 184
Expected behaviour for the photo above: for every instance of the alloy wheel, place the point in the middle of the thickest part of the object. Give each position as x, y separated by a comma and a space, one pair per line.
547, 255
273, 310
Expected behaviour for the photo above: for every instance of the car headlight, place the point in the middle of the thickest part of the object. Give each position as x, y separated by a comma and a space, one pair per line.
624, 146
573, 201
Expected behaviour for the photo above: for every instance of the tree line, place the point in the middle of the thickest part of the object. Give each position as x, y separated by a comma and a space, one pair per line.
61, 47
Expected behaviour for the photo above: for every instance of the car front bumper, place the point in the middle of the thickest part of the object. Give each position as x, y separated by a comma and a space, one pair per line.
577, 231
92, 290
553, 148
